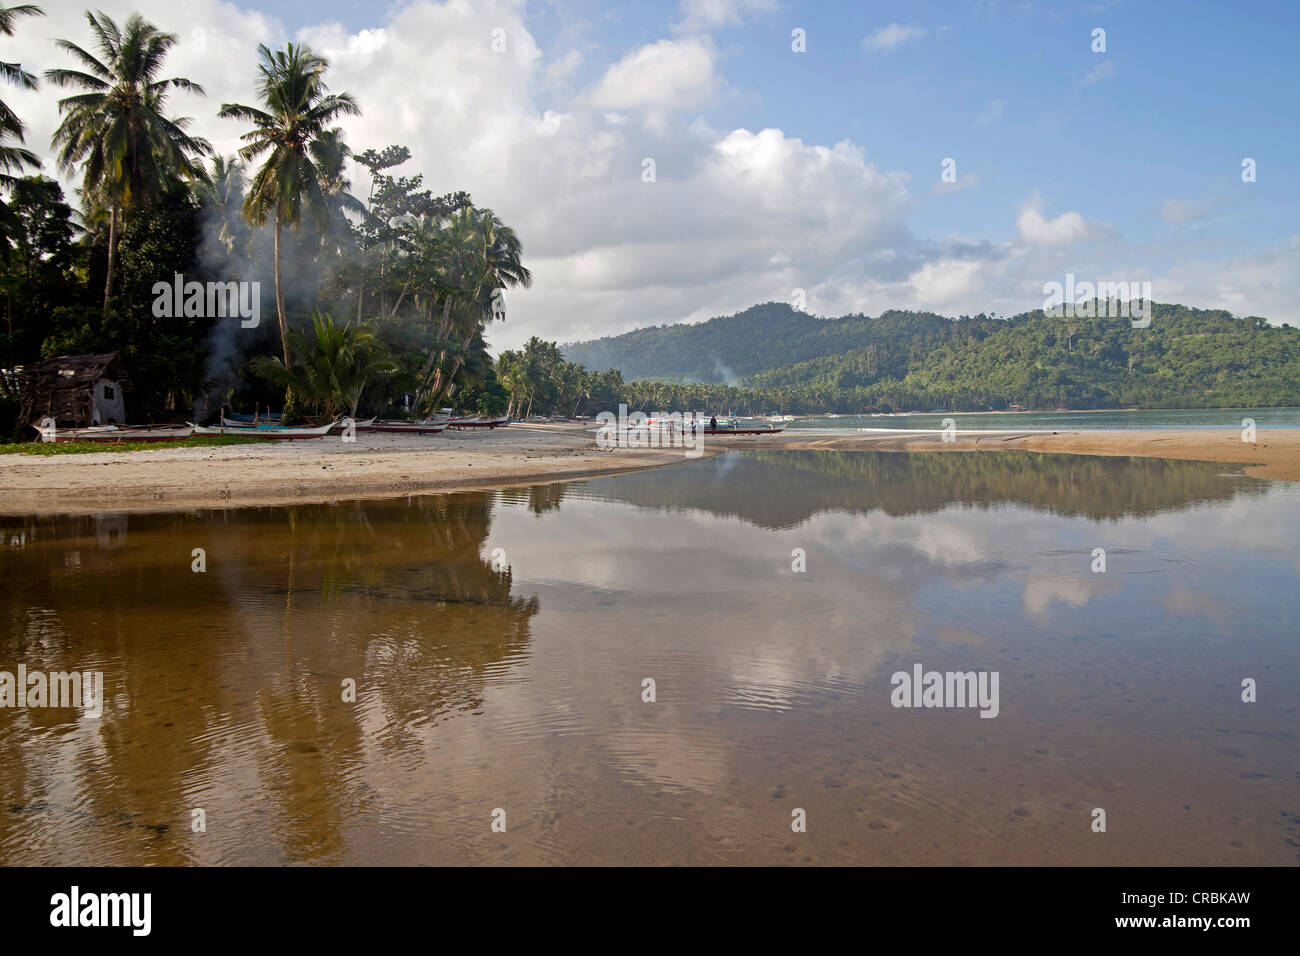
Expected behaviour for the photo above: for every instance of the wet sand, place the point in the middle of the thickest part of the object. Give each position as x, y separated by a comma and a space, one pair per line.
389, 465
1275, 453
315, 471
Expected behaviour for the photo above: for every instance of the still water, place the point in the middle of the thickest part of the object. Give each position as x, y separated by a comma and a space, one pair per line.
499, 644
1107, 420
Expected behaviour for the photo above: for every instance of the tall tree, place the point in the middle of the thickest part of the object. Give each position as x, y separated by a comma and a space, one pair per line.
222, 191
15, 158
129, 150
293, 126
484, 257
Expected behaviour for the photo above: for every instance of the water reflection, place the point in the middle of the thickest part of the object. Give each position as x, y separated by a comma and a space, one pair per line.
779, 489
517, 683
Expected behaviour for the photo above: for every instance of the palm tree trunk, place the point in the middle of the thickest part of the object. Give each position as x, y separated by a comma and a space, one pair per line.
279, 297
112, 240
405, 286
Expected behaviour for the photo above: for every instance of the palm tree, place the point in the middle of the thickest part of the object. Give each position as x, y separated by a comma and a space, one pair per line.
294, 128
15, 158
222, 191
484, 257
129, 150
337, 363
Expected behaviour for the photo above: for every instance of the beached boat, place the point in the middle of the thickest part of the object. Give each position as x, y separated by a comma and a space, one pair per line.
431, 427
476, 421
360, 424
267, 431
115, 433
732, 426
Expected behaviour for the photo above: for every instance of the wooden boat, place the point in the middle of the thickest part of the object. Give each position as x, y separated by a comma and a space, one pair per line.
410, 428
734, 427
265, 431
115, 433
475, 421
360, 424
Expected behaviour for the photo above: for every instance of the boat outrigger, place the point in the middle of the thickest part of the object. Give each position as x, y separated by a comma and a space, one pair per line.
114, 433
257, 427
430, 427
735, 426
265, 431
476, 421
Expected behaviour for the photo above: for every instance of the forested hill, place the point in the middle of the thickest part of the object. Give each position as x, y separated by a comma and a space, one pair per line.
733, 347
1185, 358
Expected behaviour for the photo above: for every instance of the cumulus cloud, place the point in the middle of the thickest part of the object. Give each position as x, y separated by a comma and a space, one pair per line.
1065, 229
668, 74
709, 14
890, 38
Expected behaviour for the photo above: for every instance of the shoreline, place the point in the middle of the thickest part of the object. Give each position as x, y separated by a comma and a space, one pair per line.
386, 466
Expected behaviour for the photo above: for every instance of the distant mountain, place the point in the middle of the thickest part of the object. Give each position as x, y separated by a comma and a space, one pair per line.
734, 347
918, 360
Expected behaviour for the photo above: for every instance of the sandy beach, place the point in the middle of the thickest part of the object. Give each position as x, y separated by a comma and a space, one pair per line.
389, 465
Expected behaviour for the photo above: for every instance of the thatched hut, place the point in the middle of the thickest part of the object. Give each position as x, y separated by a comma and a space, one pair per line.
75, 390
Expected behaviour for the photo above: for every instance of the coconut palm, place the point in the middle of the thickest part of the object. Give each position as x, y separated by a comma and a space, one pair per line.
293, 126
337, 363
15, 158
129, 151
484, 256
222, 192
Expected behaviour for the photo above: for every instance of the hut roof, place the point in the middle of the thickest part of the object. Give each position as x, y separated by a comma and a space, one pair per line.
60, 388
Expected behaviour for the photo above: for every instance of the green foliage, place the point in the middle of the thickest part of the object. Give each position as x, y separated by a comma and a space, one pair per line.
1187, 358
46, 448
337, 363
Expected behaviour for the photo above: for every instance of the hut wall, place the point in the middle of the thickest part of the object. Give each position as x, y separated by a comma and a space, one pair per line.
110, 409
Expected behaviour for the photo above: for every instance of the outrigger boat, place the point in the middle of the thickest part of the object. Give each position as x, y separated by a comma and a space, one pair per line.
475, 421
361, 424
732, 426
265, 431
411, 428
115, 433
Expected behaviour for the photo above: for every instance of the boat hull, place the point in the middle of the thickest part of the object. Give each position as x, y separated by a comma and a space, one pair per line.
279, 434
408, 428
478, 422
112, 434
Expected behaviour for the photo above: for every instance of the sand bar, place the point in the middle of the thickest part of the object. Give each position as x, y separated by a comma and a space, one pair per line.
389, 465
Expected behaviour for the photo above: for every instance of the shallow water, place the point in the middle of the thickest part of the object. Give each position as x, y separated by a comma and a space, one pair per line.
1107, 420
512, 679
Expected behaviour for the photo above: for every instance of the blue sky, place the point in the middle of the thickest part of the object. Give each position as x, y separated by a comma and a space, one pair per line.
1122, 164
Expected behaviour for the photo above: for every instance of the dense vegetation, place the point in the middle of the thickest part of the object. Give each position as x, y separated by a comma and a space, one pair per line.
367, 305
787, 361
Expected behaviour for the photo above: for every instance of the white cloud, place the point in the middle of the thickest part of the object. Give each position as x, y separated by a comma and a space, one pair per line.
668, 74
890, 38
709, 14
1067, 228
